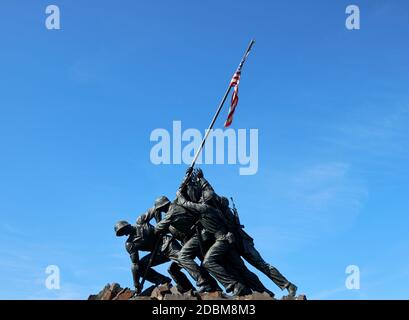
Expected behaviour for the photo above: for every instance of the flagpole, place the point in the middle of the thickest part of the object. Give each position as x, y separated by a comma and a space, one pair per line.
243, 60
221, 105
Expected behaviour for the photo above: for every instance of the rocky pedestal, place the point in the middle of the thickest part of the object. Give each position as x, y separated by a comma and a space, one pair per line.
167, 292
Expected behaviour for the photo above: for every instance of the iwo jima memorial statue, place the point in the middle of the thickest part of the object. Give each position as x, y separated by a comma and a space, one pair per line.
199, 225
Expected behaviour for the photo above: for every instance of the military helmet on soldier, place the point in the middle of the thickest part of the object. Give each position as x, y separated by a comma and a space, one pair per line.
161, 202
121, 227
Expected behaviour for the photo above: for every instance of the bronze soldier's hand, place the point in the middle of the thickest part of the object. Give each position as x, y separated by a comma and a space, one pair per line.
189, 171
187, 176
199, 173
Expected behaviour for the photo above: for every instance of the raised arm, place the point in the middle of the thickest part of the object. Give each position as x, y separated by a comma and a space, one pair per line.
204, 184
149, 215
162, 226
196, 208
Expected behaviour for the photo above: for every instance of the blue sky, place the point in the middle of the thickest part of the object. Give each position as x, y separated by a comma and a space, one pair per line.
77, 107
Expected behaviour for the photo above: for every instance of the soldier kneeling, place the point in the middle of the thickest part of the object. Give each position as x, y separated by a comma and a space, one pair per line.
141, 237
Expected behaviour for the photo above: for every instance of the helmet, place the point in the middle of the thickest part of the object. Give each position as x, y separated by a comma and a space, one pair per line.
161, 202
120, 227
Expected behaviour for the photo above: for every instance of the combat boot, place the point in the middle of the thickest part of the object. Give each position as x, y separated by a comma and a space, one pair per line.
205, 288
241, 290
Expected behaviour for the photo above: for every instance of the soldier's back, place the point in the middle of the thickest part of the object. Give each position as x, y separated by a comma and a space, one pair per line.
181, 218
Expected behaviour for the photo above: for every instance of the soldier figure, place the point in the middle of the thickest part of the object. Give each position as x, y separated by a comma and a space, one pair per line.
245, 243
141, 237
202, 240
220, 251
179, 223
208, 229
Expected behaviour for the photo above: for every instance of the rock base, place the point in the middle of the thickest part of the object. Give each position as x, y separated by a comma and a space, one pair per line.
167, 292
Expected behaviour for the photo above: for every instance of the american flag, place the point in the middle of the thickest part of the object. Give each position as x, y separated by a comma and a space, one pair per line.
234, 83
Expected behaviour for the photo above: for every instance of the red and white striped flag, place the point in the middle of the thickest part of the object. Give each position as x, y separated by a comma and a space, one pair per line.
234, 83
